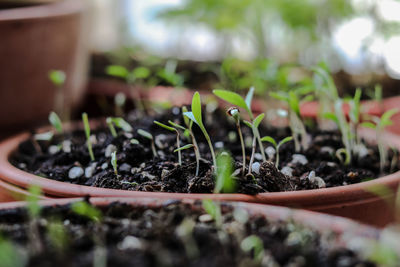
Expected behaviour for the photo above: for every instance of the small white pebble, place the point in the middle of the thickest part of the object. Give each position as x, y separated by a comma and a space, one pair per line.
327, 149
316, 180
66, 146
22, 165
362, 150
205, 218
90, 170
125, 167
176, 110
164, 173
256, 167
109, 150
299, 158
287, 171
142, 165
258, 156
128, 135
130, 242
104, 165
135, 170
219, 145
53, 149
236, 172
331, 164
75, 172
270, 151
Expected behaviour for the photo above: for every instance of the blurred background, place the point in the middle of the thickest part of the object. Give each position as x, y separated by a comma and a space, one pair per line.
194, 44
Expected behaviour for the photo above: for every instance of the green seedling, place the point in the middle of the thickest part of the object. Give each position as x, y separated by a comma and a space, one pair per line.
237, 100
148, 135
276, 145
56, 122
120, 123
57, 235
58, 77
354, 115
119, 101
86, 210
172, 129
254, 126
114, 163
294, 100
169, 75
46, 136
379, 124
224, 182
134, 141
137, 75
87, 133
34, 212
214, 210
189, 131
234, 113
255, 244
10, 256
195, 116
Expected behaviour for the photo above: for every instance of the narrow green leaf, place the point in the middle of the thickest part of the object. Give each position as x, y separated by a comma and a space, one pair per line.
134, 141
185, 118
330, 116
176, 125
145, 134
196, 109
84, 209
285, 140
141, 73
190, 116
117, 71
86, 125
253, 242
386, 117
114, 161
249, 97
248, 124
270, 140
184, 147
279, 96
233, 98
258, 120
368, 124
224, 182
56, 122
121, 123
164, 126
47, 136
33, 200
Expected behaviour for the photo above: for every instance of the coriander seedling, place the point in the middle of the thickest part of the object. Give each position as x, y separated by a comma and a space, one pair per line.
120, 123
114, 163
195, 116
10, 255
237, 100
379, 125
254, 126
56, 122
293, 100
84, 209
255, 244
234, 113
148, 135
277, 145
87, 133
224, 182
214, 210
172, 129
58, 77
57, 235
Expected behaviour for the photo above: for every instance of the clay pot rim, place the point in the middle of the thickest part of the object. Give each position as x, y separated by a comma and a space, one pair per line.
43, 11
314, 199
314, 220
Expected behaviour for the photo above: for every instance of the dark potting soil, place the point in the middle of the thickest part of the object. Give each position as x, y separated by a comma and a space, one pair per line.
65, 158
175, 234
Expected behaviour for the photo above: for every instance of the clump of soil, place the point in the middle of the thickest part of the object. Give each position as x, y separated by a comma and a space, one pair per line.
65, 158
175, 234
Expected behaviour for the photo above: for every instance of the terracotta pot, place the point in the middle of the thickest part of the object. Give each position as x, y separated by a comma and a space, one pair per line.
352, 201
316, 221
34, 40
160, 94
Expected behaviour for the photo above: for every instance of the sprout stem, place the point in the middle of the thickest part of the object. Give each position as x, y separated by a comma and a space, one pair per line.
243, 147
153, 148
178, 146
112, 128
253, 152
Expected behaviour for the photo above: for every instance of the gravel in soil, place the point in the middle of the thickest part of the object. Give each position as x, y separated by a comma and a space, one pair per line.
65, 158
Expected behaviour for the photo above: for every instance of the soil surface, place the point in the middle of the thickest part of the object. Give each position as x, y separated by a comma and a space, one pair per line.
65, 158
175, 234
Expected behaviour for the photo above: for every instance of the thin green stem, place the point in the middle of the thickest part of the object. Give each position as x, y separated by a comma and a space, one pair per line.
242, 144
178, 146
253, 152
